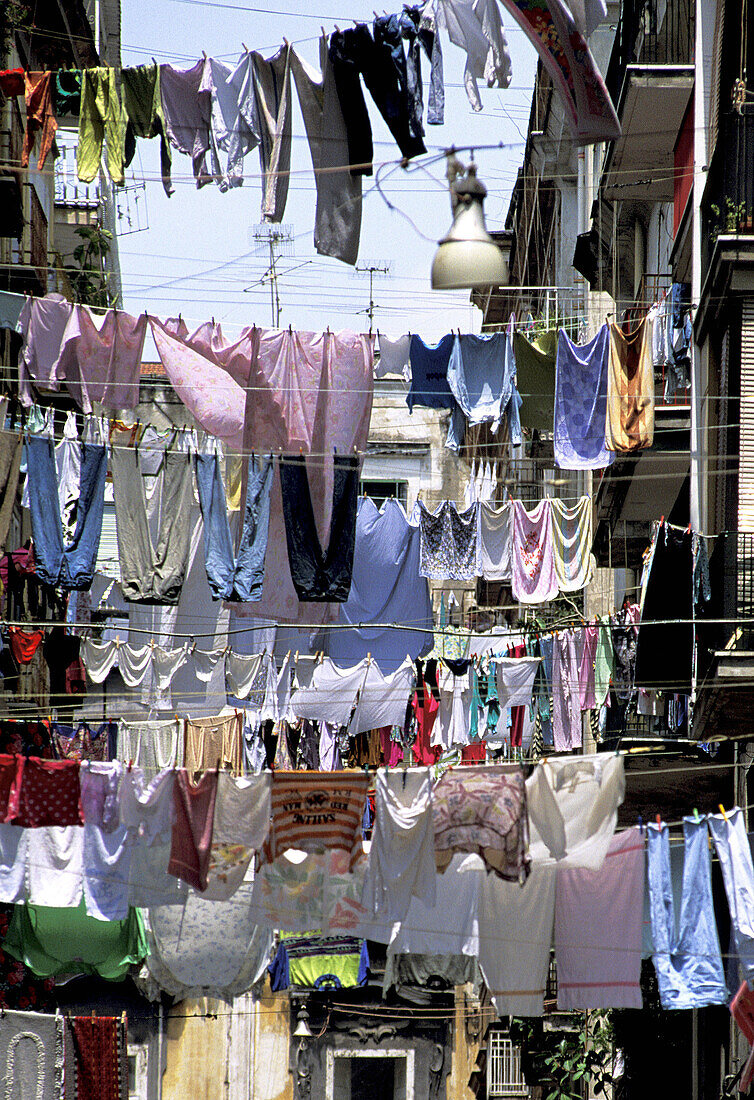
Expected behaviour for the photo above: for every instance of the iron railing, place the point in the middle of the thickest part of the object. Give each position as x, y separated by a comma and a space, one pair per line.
651, 32
730, 616
728, 200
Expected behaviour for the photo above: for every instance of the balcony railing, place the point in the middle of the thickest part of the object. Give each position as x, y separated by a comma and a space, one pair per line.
651, 32
730, 615
728, 200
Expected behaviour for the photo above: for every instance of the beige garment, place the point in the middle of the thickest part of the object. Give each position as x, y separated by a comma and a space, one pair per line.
209, 740
630, 421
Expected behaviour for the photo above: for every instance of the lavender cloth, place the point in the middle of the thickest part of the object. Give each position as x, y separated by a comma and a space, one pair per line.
533, 557
581, 403
566, 693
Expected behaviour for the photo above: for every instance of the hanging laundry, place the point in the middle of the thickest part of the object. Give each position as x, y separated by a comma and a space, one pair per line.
241, 825
356, 52
187, 108
101, 119
40, 118
425, 704
429, 374
563, 51
146, 808
142, 103
193, 820
401, 857
42, 322
67, 564
572, 543
107, 865
54, 942
419, 31
45, 792
393, 357
234, 124
55, 867
272, 92
100, 357
665, 642
534, 579
276, 706
581, 402
66, 92
566, 696
12, 82
24, 643
331, 694
202, 948
152, 745
448, 549
624, 630
152, 573
573, 808
514, 962
241, 576
242, 673
483, 810
454, 719
314, 812
11, 450
67, 469
83, 743
599, 959
603, 662
100, 1049
515, 679
386, 587
210, 742
480, 382
495, 543
319, 962
733, 851
337, 218
100, 785
630, 389
319, 573
535, 378
390, 32
477, 28
686, 956
586, 667
38, 1037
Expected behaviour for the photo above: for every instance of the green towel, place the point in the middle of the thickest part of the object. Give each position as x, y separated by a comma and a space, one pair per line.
535, 378
142, 102
67, 942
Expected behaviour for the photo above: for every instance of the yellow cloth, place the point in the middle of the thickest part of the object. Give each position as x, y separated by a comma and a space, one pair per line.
233, 482
102, 118
630, 421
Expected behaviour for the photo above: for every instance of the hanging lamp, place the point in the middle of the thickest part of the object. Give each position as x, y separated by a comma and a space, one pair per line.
467, 256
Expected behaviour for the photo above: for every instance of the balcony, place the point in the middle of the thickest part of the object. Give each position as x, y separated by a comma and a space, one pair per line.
725, 641
727, 215
650, 76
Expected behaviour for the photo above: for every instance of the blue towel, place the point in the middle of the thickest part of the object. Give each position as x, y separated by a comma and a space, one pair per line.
581, 403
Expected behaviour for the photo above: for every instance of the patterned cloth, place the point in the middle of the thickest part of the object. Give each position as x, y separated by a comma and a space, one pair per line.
483, 810
581, 403
45, 792
534, 579
31, 1050
448, 542
314, 811
99, 1043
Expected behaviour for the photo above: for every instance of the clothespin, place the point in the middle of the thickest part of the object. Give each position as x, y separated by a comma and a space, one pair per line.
641, 825
697, 818
659, 821
722, 811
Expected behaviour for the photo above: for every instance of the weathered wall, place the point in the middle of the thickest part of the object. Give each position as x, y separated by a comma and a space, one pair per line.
468, 1028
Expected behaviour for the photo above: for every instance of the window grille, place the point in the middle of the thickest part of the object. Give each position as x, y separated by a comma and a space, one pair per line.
504, 1076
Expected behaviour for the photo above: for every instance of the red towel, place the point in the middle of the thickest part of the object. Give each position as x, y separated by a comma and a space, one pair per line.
193, 825
98, 1043
45, 792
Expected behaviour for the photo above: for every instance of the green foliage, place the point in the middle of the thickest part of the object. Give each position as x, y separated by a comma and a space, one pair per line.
90, 283
564, 1062
729, 219
15, 15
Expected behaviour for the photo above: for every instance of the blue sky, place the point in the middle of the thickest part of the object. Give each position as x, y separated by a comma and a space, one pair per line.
197, 255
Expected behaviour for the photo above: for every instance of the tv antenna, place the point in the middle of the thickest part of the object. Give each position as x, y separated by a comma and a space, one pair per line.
276, 240
372, 269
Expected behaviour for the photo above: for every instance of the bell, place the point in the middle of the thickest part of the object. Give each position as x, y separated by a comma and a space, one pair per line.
468, 256
303, 1030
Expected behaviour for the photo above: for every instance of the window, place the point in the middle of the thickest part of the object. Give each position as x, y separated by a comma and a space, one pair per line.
370, 1075
138, 1088
504, 1076
380, 491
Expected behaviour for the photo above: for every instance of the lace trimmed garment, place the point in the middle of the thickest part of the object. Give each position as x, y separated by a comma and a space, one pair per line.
483, 810
448, 542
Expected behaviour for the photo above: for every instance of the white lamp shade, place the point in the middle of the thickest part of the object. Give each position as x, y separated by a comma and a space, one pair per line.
468, 256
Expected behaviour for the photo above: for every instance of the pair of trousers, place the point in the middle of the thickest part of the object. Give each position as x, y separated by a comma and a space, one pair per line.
734, 853
272, 96
101, 119
688, 963
152, 574
320, 575
234, 578
337, 221
419, 35
65, 566
355, 52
